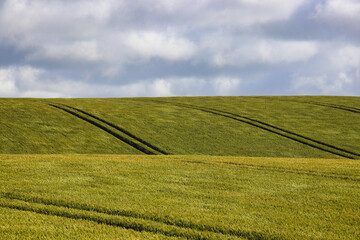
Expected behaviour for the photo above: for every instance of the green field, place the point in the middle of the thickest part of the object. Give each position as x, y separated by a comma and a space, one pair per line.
180, 168
194, 197
236, 126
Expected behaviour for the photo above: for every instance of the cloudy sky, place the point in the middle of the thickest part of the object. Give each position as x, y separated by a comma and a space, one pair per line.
122, 48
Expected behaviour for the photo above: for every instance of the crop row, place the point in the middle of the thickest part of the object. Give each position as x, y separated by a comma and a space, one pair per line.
112, 129
330, 105
195, 231
120, 129
337, 106
273, 129
346, 177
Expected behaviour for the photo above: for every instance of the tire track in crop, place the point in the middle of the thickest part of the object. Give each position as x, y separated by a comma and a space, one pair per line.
336, 106
139, 226
128, 222
120, 129
295, 171
329, 105
351, 177
273, 129
129, 138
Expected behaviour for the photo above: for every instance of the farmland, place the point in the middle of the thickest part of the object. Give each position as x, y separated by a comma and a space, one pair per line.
180, 168
194, 197
236, 126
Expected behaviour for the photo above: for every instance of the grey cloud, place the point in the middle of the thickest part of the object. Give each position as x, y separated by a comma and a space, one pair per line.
168, 47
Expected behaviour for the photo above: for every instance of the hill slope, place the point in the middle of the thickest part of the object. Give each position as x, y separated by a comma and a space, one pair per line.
322, 127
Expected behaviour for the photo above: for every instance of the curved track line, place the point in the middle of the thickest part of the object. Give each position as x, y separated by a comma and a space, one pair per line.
329, 105
303, 172
120, 129
337, 106
81, 215
268, 127
190, 232
295, 171
121, 138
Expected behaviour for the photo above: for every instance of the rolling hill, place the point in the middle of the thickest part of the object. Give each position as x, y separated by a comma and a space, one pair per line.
320, 127
253, 168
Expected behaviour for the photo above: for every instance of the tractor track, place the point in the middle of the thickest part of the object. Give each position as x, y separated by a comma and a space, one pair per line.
347, 177
100, 123
128, 220
121, 130
273, 129
329, 105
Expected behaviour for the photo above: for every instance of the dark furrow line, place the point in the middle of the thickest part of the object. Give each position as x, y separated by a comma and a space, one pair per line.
251, 122
281, 169
107, 221
170, 222
121, 138
120, 129
342, 107
297, 171
289, 132
330, 105
173, 231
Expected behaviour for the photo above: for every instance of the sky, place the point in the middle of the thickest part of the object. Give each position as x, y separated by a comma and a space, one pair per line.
141, 48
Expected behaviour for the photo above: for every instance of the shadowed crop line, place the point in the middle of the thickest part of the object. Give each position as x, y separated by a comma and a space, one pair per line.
281, 169
279, 131
330, 105
295, 171
123, 223
292, 133
337, 106
129, 214
120, 129
121, 138
342, 107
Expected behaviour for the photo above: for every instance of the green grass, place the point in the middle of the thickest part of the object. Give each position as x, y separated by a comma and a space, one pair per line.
30, 126
282, 168
302, 127
164, 197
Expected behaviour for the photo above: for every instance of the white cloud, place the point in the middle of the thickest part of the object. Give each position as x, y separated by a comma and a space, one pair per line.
225, 85
161, 87
151, 88
13, 79
346, 57
190, 86
259, 51
286, 51
339, 84
41, 94
346, 9
19, 17
239, 13
335, 71
7, 82
83, 51
166, 48
163, 45
258, 11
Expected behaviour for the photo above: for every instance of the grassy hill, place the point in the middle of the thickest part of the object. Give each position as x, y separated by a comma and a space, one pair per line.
141, 168
318, 127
